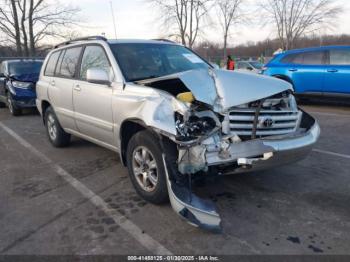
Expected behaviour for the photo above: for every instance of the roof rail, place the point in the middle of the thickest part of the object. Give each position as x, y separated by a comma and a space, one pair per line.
96, 37
164, 40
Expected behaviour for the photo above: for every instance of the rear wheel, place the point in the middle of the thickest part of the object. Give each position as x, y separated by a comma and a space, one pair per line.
14, 110
57, 136
146, 168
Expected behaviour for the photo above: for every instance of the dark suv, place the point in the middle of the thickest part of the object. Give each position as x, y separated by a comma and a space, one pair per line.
17, 84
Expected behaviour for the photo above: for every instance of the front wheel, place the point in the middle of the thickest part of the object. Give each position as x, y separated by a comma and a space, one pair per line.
14, 110
146, 168
57, 136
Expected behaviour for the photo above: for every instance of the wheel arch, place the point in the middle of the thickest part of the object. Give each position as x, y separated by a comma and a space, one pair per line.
44, 106
285, 78
127, 130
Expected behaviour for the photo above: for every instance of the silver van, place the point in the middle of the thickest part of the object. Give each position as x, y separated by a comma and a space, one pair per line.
171, 116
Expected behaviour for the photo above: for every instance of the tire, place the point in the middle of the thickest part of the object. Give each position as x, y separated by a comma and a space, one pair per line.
2, 105
57, 136
144, 155
15, 111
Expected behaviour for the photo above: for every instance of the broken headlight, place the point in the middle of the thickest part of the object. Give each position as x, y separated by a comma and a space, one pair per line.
196, 125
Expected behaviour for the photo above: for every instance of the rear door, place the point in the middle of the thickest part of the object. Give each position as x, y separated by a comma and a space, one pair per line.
93, 102
61, 86
307, 71
338, 72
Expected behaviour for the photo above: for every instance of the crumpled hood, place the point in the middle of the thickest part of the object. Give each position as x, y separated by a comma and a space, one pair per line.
232, 88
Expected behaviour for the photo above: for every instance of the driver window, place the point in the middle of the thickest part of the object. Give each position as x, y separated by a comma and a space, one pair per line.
94, 57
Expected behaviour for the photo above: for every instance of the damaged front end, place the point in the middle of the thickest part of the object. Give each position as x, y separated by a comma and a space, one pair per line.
231, 129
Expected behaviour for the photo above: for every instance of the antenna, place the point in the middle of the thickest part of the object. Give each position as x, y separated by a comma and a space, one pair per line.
115, 27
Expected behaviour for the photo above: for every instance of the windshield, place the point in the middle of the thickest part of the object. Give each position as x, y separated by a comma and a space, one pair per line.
144, 61
25, 68
257, 65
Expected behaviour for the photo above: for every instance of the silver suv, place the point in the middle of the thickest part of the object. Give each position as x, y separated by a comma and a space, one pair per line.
171, 116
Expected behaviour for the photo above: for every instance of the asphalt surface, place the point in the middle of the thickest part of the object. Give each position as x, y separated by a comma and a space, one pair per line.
79, 200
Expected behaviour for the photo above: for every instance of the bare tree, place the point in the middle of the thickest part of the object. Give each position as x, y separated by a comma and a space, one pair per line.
9, 23
184, 17
49, 20
23, 7
26, 22
229, 13
295, 18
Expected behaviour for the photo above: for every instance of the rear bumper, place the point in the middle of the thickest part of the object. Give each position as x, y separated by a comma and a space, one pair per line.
267, 153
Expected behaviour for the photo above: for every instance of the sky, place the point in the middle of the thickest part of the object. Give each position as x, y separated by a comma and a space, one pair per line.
138, 19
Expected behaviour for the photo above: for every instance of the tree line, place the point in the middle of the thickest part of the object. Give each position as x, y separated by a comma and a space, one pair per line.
187, 20
266, 48
24, 23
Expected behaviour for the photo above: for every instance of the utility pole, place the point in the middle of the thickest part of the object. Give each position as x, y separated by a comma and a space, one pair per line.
115, 27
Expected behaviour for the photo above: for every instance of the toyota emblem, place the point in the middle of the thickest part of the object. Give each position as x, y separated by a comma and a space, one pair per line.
267, 122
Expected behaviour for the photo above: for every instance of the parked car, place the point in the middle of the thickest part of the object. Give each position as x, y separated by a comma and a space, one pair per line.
171, 116
321, 71
18, 83
249, 66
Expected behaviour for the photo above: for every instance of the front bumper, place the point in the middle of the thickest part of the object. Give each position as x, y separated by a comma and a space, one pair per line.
23, 98
267, 153
24, 102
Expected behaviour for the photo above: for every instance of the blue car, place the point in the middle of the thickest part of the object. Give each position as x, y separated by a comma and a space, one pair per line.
322, 71
17, 84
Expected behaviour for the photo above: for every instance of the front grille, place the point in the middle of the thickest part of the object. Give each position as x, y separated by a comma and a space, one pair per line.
270, 123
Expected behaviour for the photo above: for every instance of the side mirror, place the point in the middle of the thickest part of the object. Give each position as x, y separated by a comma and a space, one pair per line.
97, 76
215, 66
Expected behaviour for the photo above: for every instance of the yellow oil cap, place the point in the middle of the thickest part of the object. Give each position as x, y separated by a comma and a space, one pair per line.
186, 97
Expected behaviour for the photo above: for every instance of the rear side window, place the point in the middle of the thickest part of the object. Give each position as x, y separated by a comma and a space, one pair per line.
94, 57
293, 59
339, 57
51, 64
307, 58
69, 62
313, 58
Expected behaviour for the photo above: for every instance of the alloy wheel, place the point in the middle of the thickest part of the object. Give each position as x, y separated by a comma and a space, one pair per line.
51, 127
145, 168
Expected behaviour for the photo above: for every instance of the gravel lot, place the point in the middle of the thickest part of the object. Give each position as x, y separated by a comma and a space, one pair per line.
79, 200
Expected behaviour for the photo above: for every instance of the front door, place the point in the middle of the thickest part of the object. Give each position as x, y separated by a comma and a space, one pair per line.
93, 102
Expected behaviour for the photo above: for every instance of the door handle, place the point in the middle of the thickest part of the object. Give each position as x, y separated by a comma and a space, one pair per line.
53, 83
77, 88
332, 70
293, 70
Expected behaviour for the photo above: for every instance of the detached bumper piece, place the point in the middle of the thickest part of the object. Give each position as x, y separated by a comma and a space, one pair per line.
196, 211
